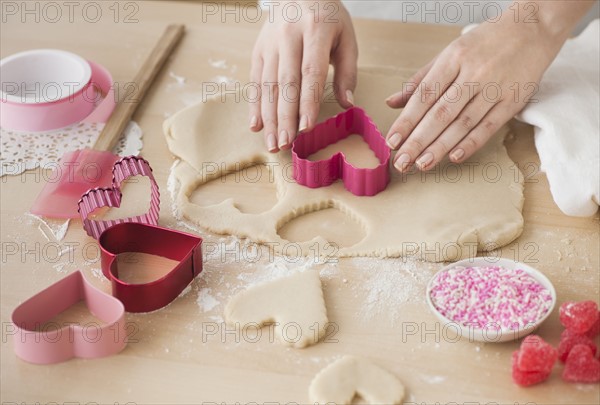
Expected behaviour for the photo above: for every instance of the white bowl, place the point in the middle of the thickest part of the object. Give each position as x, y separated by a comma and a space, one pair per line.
493, 335
42, 76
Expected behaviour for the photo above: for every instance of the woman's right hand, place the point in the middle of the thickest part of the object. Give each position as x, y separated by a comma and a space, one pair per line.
290, 61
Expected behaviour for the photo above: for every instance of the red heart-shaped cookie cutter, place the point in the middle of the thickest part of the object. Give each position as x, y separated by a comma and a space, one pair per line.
140, 234
150, 239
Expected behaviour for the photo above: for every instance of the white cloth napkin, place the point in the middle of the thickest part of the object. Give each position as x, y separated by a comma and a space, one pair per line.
567, 126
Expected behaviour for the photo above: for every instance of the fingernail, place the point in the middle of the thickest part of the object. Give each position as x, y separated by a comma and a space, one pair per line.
394, 141
283, 139
402, 162
303, 123
387, 100
271, 143
350, 97
457, 155
425, 160
253, 121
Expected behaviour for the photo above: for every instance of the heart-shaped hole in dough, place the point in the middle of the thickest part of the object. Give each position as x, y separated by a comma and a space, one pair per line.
331, 222
252, 189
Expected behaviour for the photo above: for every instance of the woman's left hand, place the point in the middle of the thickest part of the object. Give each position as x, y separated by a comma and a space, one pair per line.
458, 101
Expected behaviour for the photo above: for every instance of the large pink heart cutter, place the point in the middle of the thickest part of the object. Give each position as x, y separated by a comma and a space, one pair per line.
359, 181
38, 341
111, 197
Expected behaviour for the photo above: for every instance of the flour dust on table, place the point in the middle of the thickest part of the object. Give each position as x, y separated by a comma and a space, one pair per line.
449, 213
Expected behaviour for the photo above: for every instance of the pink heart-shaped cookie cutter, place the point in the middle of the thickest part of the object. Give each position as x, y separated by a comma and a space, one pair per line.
111, 197
37, 340
359, 181
140, 234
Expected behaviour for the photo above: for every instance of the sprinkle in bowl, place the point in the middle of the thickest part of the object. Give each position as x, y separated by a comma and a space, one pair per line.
490, 299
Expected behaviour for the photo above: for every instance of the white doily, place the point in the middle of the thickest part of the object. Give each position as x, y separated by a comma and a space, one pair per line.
23, 151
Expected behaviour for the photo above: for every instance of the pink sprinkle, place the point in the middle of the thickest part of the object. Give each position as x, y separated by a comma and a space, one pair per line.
490, 297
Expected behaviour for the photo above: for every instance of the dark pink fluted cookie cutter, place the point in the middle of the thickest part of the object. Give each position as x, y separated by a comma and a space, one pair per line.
36, 340
111, 197
359, 181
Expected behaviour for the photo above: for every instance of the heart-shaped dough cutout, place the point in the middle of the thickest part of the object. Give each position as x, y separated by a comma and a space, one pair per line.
250, 188
73, 340
351, 376
295, 304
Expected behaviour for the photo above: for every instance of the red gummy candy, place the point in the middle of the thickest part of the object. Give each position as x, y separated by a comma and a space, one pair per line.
579, 317
569, 339
526, 378
536, 355
595, 329
581, 366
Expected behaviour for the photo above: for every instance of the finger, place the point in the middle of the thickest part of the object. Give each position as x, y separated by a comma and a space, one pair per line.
482, 132
254, 98
436, 120
399, 99
268, 101
345, 70
428, 92
289, 93
315, 63
468, 118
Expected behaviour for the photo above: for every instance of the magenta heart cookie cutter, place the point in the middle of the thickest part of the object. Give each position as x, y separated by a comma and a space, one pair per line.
111, 197
359, 181
37, 340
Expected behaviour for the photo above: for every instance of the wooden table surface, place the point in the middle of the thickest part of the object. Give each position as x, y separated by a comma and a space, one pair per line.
378, 305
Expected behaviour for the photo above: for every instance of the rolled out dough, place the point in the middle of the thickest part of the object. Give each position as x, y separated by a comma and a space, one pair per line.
350, 376
446, 214
295, 304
